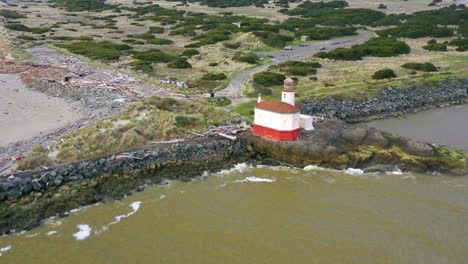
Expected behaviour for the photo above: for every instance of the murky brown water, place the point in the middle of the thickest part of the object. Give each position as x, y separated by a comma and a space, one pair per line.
444, 126
275, 216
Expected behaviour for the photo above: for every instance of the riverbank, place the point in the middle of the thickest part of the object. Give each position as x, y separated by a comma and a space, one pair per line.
390, 101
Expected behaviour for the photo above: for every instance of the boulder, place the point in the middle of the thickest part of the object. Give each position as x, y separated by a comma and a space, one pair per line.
375, 138
355, 135
415, 147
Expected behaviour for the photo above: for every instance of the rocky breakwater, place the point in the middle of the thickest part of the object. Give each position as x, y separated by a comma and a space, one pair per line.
28, 198
390, 101
335, 144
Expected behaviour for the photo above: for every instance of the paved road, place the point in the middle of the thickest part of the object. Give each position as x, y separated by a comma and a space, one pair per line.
235, 88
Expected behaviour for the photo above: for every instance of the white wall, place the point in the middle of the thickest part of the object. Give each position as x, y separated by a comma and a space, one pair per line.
276, 120
288, 97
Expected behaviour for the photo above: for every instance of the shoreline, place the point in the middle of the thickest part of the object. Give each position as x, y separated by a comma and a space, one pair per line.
26, 113
26, 198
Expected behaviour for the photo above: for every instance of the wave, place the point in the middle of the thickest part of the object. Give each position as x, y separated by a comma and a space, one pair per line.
135, 206
256, 179
85, 232
51, 233
240, 167
5, 249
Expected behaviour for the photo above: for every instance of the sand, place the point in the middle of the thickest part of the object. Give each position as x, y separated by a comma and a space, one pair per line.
25, 113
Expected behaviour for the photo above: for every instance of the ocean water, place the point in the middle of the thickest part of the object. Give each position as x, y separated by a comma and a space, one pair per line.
264, 215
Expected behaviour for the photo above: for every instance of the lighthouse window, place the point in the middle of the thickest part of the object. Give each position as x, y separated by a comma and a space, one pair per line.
284, 95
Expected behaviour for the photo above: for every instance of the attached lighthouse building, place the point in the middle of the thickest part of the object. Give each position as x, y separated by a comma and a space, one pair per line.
281, 120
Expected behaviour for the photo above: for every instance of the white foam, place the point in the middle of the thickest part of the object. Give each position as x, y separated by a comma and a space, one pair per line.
5, 249
240, 167
135, 206
85, 232
33, 235
162, 196
256, 179
354, 171
397, 171
51, 232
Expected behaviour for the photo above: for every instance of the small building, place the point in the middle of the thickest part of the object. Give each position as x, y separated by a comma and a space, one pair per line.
305, 38
281, 120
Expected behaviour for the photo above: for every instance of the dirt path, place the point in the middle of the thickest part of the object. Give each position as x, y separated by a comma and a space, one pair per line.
236, 87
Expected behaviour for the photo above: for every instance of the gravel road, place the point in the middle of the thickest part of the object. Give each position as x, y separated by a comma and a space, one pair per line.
235, 88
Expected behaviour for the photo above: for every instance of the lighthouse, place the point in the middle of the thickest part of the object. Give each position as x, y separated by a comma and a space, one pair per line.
288, 94
281, 120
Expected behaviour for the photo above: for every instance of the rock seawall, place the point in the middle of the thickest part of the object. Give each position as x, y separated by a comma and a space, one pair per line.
391, 101
30, 197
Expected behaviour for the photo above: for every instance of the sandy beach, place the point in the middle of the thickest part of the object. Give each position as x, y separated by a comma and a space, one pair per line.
25, 113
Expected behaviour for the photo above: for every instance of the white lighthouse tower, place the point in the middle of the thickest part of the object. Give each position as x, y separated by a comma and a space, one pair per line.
288, 94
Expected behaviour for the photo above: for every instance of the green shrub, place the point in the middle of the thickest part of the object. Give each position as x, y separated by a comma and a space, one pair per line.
104, 50
154, 55
21, 27
250, 58
427, 67
436, 47
11, 14
190, 52
269, 78
299, 68
156, 30
180, 64
379, 47
160, 41
214, 76
213, 64
384, 74
460, 43
144, 66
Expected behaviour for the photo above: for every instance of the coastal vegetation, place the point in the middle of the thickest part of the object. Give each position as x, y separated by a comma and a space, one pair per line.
427, 67
384, 74
152, 119
378, 47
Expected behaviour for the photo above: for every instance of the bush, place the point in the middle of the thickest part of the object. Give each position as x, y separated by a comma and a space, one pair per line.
278, 41
436, 47
269, 78
299, 68
190, 52
104, 50
11, 14
156, 30
21, 27
180, 64
36, 159
214, 76
379, 47
384, 74
250, 58
160, 41
461, 44
427, 67
154, 55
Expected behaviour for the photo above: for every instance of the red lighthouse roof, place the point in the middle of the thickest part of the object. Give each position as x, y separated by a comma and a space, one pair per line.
278, 107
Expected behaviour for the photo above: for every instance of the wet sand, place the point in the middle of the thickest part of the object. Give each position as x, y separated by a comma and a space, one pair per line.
25, 113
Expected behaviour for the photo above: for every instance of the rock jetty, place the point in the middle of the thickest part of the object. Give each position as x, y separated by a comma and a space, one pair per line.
390, 101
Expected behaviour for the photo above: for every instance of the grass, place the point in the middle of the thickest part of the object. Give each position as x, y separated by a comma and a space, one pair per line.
246, 109
152, 119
